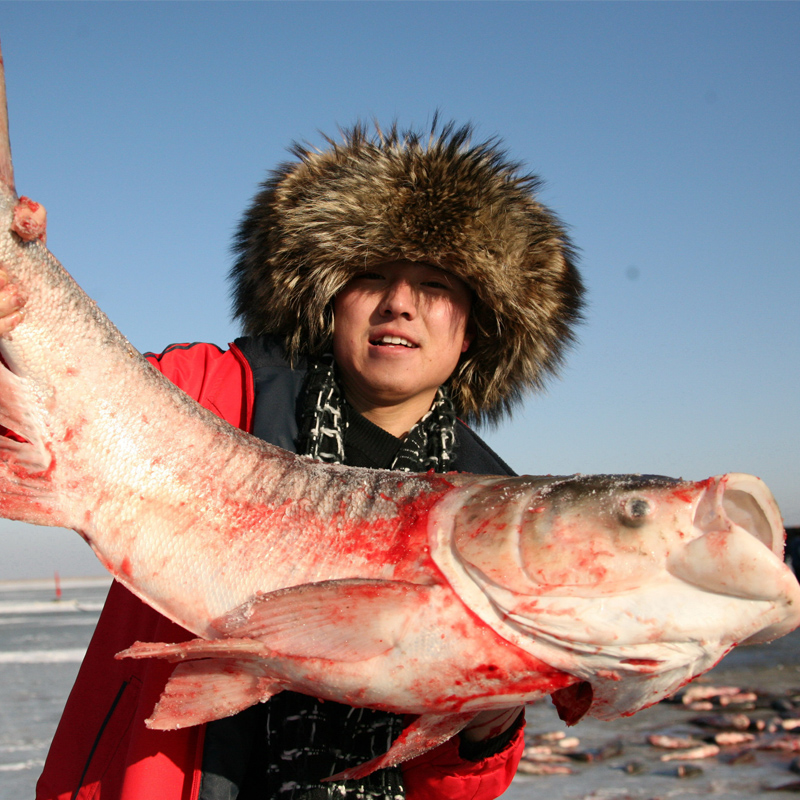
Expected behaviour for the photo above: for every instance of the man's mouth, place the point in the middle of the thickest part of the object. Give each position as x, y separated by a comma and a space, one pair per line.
392, 340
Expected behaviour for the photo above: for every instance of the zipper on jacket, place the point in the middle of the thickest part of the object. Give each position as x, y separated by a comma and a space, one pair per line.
99, 736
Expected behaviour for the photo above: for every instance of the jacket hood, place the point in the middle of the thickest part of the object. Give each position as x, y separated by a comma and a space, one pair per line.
375, 196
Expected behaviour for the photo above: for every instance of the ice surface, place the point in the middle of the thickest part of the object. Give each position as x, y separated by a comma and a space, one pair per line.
42, 641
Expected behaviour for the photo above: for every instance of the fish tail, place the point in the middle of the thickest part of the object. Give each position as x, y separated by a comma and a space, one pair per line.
24, 460
6, 167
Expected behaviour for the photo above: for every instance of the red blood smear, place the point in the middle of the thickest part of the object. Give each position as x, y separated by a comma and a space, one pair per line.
388, 541
688, 494
28, 203
650, 663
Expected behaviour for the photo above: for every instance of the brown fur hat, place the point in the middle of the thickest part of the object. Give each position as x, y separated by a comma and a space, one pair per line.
372, 197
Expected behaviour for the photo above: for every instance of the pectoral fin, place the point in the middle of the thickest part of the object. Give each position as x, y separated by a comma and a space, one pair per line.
425, 733
346, 620
25, 481
24, 459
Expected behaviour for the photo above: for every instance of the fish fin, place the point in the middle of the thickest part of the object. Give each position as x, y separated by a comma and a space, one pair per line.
25, 492
209, 689
345, 620
573, 701
25, 447
196, 648
425, 733
218, 684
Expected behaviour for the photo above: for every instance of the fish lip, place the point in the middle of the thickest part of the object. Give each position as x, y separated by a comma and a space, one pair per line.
739, 501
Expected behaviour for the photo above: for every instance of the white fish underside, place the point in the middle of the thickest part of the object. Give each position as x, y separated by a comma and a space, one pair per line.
435, 595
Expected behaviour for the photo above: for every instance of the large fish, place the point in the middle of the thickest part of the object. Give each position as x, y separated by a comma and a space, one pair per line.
435, 595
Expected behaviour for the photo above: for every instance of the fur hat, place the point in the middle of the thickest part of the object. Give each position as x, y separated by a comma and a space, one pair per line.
373, 197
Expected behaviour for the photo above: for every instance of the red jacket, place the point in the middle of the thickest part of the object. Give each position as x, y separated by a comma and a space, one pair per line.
102, 749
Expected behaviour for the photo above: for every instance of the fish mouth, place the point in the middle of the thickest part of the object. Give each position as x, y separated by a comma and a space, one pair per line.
737, 531
740, 503
747, 503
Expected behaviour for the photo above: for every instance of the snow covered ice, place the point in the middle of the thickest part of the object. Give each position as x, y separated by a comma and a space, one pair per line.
42, 642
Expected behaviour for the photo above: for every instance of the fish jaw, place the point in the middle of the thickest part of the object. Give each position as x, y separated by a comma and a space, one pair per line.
625, 618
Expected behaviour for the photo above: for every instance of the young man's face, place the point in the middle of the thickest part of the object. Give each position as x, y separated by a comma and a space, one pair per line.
399, 330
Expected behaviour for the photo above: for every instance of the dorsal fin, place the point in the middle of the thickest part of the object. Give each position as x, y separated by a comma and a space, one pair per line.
6, 167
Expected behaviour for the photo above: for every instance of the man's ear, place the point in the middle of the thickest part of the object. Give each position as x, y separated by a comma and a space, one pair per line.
469, 335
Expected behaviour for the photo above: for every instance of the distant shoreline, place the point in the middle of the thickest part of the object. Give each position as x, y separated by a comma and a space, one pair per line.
46, 583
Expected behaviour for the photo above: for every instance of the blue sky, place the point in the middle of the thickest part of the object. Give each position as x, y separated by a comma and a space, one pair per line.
667, 134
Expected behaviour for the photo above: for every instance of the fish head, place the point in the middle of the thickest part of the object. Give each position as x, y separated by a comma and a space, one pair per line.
635, 584
552, 536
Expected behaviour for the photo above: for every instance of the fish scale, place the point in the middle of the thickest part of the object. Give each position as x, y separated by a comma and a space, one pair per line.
436, 595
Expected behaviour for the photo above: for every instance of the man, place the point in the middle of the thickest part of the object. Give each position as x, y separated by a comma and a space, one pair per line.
390, 286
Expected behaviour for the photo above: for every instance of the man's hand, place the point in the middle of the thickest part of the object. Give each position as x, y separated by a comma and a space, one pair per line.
30, 220
30, 224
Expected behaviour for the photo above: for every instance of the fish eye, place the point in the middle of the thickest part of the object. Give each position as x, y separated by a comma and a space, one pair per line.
635, 512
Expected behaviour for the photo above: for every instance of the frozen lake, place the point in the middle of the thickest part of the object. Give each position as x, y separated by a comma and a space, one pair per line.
43, 640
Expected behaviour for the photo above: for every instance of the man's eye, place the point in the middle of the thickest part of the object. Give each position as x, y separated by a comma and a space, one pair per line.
436, 285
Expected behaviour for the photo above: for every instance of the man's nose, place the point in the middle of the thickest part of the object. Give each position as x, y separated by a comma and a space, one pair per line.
400, 299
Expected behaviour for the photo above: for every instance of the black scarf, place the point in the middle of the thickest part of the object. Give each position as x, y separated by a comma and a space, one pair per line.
325, 415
